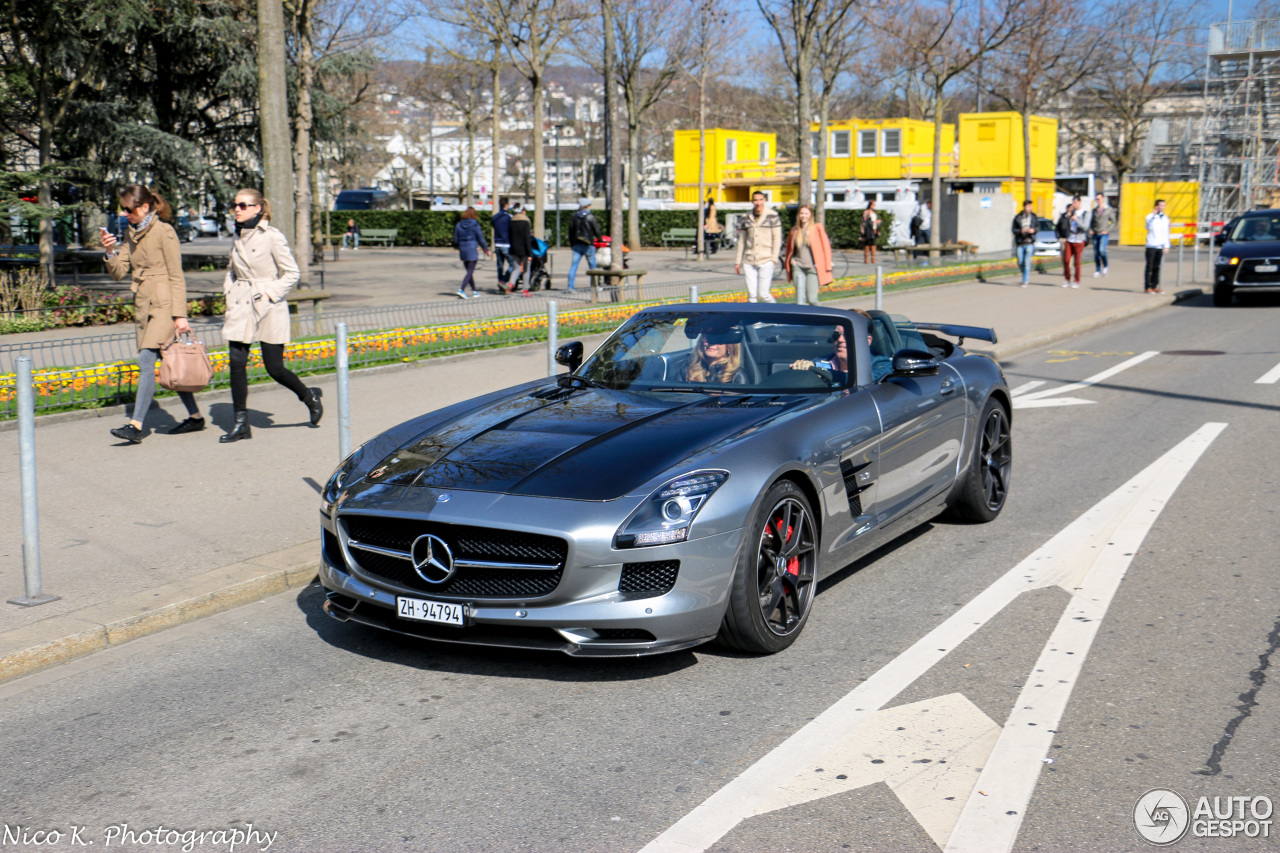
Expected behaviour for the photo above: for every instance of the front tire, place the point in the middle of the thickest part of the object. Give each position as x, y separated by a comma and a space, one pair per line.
1222, 295
985, 487
776, 578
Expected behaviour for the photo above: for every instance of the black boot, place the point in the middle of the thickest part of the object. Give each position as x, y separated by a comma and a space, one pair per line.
313, 405
239, 431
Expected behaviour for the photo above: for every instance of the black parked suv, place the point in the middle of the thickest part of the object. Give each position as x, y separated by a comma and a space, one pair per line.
1249, 257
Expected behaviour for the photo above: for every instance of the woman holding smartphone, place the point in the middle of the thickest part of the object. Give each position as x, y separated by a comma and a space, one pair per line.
261, 271
150, 254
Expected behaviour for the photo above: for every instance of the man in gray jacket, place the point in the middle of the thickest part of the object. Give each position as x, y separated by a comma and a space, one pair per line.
1100, 225
759, 244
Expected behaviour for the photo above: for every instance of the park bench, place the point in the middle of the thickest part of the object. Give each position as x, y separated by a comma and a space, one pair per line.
382, 236
297, 298
680, 236
960, 249
614, 283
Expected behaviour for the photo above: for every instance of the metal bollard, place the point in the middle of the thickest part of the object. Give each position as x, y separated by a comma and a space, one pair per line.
1195, 256
693, 293
1180, 245
553, 337
343, 363
27, 477
879, 288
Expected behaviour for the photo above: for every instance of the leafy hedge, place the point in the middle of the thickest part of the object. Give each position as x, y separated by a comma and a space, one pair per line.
435, 227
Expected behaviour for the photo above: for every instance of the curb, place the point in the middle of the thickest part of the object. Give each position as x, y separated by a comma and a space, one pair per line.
59, 639
1001, 352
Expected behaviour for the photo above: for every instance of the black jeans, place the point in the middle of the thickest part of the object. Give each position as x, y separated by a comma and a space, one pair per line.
1151, 275
272, 360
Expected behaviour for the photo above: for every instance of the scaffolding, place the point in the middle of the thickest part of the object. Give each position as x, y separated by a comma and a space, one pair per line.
1240, 162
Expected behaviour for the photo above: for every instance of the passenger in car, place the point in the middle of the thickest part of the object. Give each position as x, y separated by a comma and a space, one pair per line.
716, 361
837, 362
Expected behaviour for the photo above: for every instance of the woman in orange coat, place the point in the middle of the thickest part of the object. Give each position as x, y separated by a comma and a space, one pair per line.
808, 257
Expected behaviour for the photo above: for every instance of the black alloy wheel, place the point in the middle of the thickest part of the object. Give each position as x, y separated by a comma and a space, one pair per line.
982, 492
774, 586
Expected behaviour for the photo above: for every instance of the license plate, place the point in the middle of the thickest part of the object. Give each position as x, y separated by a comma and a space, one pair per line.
1265, 268
420, 610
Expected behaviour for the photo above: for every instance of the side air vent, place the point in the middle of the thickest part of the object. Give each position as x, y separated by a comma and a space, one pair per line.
849, 471
649, 579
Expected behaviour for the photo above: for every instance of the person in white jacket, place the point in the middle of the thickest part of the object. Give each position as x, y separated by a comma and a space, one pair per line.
1157, 244
261, 271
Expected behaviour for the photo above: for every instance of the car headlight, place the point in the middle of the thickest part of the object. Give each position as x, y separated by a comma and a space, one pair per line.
1224, 261
337, 480
665, 516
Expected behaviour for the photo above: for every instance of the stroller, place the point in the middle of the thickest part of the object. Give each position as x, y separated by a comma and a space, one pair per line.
539, 277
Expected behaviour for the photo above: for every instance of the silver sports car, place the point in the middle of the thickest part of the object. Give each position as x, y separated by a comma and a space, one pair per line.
690, 481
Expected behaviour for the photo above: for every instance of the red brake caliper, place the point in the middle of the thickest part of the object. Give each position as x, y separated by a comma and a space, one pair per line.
793, 564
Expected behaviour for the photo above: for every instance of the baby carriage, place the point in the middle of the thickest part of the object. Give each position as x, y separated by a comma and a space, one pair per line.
539, 277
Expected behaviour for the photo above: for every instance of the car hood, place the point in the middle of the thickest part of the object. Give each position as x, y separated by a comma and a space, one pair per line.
591, 444
1252, 249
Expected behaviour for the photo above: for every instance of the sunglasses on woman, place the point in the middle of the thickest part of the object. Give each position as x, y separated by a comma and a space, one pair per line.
243, 205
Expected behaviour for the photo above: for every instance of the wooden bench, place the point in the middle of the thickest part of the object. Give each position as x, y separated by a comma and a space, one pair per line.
681, 236
382, 236
296, 298
614, 283
961, 249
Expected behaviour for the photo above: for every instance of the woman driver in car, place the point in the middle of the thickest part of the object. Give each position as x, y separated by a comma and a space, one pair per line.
715, 360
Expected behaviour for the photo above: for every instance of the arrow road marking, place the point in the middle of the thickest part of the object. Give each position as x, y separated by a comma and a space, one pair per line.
1087, 558
1027, 386
1050, 402
1022, 401
1270, 377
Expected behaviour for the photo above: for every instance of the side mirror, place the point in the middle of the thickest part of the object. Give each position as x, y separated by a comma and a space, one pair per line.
570, 355
1219, 238
914, 362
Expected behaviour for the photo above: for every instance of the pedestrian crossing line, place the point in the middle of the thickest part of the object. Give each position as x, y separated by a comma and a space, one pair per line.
1270, 377
1027, 386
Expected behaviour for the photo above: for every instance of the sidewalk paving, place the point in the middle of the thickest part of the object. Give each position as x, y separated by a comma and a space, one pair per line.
136, 539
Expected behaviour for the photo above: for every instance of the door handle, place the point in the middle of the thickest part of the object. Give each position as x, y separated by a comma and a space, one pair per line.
948, 387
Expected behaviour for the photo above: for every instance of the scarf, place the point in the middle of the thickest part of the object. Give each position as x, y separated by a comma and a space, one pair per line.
248, 224
143, 225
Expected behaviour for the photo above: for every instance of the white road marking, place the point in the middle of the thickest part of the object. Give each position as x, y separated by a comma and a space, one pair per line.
1095, 379
990, 822
1027, 386
1049, 402
1125, 516
1270, 377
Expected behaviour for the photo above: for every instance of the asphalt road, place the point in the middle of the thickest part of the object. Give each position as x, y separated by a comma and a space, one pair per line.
1128, 648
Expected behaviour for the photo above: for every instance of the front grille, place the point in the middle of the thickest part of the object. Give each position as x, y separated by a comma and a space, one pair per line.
466, 543
623, 634
653, 579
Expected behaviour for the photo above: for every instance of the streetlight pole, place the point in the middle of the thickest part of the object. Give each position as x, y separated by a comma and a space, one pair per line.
557, 130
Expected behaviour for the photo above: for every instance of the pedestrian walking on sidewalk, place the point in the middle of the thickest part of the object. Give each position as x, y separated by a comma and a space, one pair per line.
521, 233
870, 232
584, 231
502, 243
1071, 236
759, 244
711, 227
1100, 225
468, 236
926, 222
1025, 225
808, 257
1158, 243
151, 256
259, 274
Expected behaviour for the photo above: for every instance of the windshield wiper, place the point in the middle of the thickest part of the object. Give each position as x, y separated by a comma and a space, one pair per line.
569, 378
703, 389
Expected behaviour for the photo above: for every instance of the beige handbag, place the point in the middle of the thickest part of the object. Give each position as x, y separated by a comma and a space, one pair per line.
184, 364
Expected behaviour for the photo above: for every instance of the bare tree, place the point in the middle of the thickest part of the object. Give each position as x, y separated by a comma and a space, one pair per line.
457, 84
943, 40
1046, 59
1144, 54
710, 32
612, 160
839, 41
797, 24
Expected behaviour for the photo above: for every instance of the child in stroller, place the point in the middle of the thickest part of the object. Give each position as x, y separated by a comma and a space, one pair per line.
536, 269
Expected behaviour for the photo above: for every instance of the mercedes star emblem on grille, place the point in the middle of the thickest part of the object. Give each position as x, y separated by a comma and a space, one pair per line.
432, 559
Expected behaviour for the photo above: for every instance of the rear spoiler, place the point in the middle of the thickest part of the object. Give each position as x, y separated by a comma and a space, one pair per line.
960, 332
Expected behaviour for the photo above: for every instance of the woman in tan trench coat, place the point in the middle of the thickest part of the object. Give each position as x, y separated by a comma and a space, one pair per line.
150, 253
261, 271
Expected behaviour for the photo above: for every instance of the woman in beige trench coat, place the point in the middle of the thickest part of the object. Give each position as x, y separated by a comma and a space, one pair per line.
151, 256
261, 271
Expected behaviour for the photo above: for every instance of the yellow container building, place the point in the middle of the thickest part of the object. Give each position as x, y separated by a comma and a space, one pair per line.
884, 149
1181, 205
991, 146
737, 161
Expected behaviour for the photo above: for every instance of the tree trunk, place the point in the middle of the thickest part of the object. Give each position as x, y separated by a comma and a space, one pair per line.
539, 164
612, 155
302, 144
804, 110
495, 130
702, 160
824, 113
1026, 151
44, 195
935, 191
273, 117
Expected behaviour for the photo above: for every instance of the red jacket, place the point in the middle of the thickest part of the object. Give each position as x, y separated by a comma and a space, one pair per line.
820, 245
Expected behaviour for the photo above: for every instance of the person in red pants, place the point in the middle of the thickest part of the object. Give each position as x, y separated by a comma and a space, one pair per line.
1071, 236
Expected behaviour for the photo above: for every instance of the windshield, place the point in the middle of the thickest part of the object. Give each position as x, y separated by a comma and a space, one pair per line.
724, 352
1257, 227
